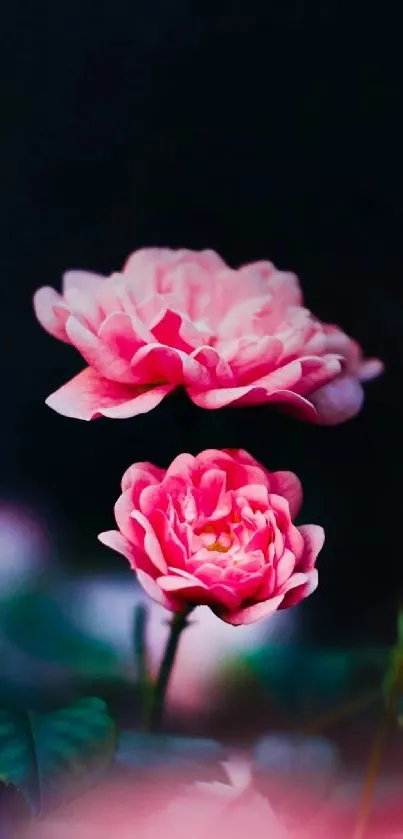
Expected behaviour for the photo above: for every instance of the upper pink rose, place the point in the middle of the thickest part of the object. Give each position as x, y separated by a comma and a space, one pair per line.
216, 530
184, 318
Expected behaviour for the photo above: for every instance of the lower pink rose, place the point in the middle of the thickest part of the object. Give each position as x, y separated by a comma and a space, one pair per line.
216, 530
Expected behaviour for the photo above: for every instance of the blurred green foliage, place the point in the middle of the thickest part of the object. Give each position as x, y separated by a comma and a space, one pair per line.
305, 681
33, 621
52, 757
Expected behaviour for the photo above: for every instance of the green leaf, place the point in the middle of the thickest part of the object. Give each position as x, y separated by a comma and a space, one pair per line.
52, 757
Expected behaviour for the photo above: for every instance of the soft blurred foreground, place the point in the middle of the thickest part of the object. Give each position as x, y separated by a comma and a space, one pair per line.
324, 753
279, 805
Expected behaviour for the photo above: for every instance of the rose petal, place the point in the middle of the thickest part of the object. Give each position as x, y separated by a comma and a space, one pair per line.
141, 468
124, 335
115, 540
289, 486
83, 280
370, 368
251, 395
300, 591
250, 614
98, 354
317, 372
157, 363
189, 590
152, 546
314, 538
285, 567
174, 330
173, 548
88, 396
153, 590
338, 401
123, 515
182, 465
52, 312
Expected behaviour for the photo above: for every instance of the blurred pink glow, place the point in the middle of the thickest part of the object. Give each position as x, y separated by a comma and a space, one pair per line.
174, 807
24, 546
105, 609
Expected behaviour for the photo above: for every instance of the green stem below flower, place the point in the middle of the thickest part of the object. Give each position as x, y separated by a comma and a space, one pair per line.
156, 706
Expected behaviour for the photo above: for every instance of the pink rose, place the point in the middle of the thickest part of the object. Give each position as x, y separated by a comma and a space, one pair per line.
216, 530
184, 318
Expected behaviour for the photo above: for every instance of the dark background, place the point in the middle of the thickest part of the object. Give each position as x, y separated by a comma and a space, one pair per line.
261, 130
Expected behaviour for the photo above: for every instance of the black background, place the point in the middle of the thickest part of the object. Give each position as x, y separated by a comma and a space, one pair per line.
267, 130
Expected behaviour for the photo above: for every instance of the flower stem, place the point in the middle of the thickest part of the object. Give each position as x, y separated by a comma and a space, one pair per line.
156, 707
370, 778
140, 651
393, 688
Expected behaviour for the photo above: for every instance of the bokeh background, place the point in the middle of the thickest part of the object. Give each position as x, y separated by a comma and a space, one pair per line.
261, 130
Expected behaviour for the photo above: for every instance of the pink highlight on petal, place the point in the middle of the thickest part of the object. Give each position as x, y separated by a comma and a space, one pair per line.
82, 280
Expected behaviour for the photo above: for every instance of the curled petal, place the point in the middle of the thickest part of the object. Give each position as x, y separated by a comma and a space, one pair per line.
256, 494
338, 401
123, 515
250, 614
189, 589
155, 592
213, 502
89, 395
142, 471
174, 550
151, 544
174, 330
157, 363
225, 596
252, 358
300, 587
83, 280
220, 371
115, 540
98, 354
317, 372
370, 368
289, 486
52, 312
285, 568
314, 538
214, 398
182, 465
124, 335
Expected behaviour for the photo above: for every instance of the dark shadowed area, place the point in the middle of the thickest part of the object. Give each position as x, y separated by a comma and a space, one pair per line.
261, 130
